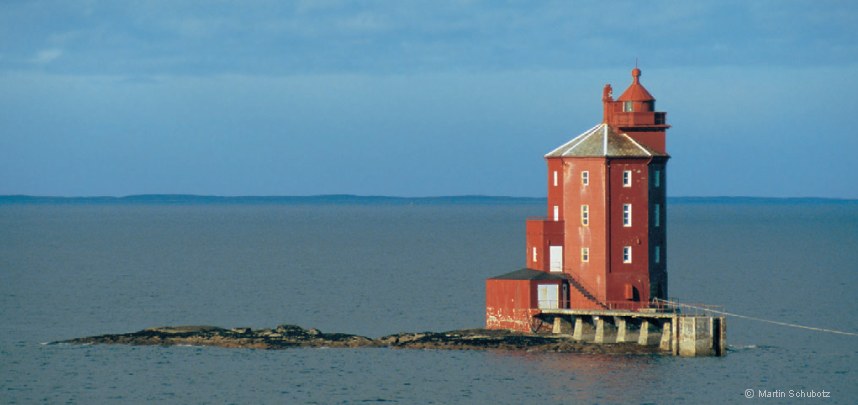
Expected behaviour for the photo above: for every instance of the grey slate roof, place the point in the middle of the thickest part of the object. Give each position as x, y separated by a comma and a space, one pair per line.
603, 141
528, 274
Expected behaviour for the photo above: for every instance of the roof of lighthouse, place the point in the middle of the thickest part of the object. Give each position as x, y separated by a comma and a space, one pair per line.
528, 274
603, 141
636, 91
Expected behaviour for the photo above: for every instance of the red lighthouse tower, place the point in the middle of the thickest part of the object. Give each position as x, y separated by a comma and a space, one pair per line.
602, 244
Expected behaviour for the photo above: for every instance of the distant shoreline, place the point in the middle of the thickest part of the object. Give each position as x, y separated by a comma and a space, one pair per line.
181, 199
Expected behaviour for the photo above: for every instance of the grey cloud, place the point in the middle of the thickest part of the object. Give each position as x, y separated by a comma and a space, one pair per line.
274, 38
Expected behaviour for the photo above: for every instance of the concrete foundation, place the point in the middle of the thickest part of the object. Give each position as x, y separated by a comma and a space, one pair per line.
702, 336
583, 329
677, 334
666, 342
606, 332
645, 334
562, 326
622, 329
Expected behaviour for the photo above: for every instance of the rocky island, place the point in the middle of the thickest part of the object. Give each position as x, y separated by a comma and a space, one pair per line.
291, 336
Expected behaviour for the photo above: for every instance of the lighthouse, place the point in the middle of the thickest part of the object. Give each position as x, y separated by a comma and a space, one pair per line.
602, 244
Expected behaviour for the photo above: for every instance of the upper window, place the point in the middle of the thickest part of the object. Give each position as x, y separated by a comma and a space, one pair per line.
556, 213
627, 106
627, 178
585, 255
627, 254
585, 178
657, 178
657, 254
534, 254
585, 215
555, 178
627, 215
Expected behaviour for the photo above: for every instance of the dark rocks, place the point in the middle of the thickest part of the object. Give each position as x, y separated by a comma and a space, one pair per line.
288, 336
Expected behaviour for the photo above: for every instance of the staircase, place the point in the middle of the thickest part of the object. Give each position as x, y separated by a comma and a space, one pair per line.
588, 299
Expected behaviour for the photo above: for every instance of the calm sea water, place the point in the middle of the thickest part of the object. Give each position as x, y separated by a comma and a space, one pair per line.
71, 270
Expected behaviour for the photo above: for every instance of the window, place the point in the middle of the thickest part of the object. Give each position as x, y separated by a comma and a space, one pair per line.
627, 106
555, 258
657, 215
555, 178
548, 296
657, 254
627, 254
657, 178
534, 254
585, 215
585, 255
556, 213
585, 178
627, 178
627, 215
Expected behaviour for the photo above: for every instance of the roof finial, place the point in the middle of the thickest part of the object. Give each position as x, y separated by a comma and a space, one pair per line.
636, 74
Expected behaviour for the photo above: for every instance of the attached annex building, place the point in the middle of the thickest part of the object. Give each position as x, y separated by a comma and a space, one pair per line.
602, 244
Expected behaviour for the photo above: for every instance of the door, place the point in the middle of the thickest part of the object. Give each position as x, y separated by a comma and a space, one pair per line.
548, 296
555, 254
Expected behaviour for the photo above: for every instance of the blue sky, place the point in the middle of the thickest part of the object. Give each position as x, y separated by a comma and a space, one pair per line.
416, 98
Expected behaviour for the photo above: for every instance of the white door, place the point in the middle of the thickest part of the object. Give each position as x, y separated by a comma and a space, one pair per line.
555, 254
547, 296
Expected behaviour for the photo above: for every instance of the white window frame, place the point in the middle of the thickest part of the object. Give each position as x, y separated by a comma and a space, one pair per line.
585, 178
628, 106
585, 215
555, 178
627, 178
585, 255
556, 213
534, 254
627, 215
627, 254
555, 259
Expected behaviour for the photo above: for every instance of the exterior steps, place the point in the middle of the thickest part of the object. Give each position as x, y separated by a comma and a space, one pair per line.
584, 298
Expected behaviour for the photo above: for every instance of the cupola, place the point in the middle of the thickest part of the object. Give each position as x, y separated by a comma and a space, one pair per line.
636, 98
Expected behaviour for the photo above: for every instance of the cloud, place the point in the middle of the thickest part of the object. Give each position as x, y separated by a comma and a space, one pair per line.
46, 56
267, 37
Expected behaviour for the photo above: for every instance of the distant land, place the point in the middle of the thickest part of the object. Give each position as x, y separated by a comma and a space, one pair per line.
358, 199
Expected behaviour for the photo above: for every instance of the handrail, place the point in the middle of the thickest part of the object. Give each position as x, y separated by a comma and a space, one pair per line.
690, 309
543, 219
586, 286
548, 304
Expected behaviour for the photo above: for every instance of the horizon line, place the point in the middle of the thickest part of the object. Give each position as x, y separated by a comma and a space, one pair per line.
344, 196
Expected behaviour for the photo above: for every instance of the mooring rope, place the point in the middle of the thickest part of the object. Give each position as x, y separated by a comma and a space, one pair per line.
794, 325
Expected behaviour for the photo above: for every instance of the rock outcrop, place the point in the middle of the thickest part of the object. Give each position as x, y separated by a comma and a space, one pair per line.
291, 336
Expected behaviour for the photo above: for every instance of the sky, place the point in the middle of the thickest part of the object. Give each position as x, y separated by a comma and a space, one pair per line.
416, 98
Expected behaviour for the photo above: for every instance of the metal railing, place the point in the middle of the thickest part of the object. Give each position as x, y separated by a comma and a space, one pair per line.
548, 304
544, 219
585, 285
687, 309
656, 305
626, 305
639, 118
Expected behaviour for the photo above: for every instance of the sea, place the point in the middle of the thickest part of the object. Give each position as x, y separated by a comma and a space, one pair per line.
376, 266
